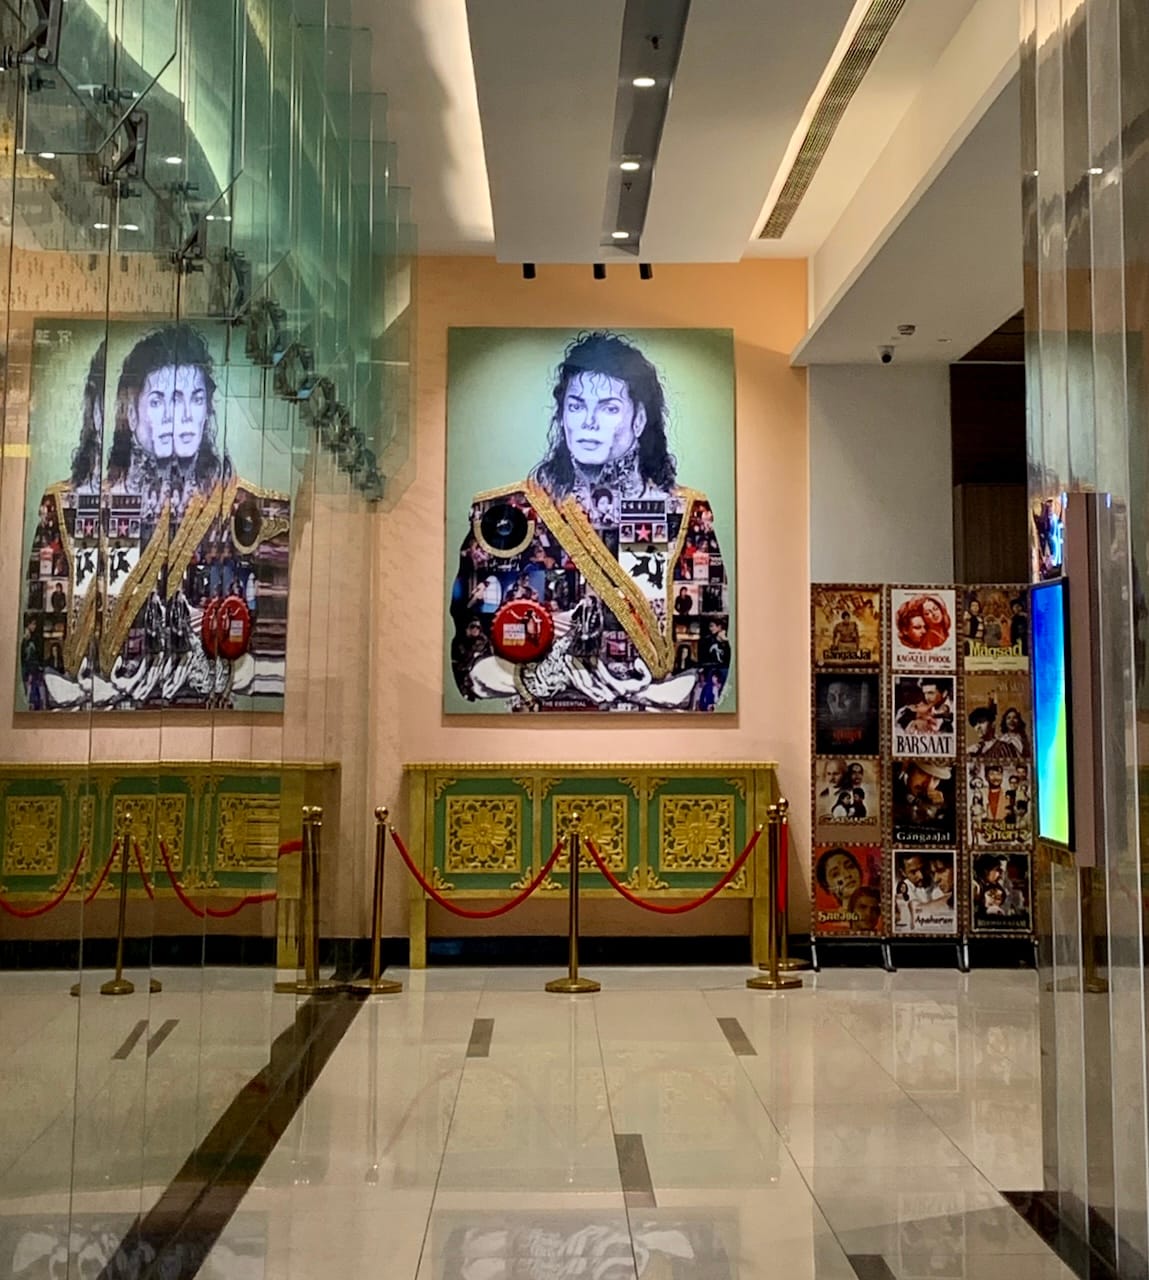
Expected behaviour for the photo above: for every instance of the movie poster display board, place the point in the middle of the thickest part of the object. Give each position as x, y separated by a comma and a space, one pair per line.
847, 736
923, 761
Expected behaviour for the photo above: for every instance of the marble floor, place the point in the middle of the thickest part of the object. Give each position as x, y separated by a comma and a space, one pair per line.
675, 1126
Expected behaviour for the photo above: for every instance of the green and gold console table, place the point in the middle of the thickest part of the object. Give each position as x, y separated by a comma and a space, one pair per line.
667, 830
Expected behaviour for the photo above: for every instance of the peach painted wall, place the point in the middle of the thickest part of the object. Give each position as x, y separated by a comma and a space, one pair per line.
765, 304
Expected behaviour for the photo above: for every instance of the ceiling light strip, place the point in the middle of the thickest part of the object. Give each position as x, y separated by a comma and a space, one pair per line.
856, 61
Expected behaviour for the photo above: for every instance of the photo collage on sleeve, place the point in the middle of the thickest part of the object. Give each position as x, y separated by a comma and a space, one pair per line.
997, 738
925, 693
846, 630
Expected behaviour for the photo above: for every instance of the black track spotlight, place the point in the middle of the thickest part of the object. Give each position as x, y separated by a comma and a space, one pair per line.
528, 270
645, 271
600, 270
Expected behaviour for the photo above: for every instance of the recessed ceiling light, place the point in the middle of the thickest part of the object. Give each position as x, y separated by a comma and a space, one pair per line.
100, 226
47, 155
218, 217
620, 235
1097, 171
128, 226
629, 166
644, 82
173, 159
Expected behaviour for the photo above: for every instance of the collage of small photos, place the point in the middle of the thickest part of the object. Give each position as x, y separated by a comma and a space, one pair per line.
923, 761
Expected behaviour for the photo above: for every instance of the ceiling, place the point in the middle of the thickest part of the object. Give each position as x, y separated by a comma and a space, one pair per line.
503, 113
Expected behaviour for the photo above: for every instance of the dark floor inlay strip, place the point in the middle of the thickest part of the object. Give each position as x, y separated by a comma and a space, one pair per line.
177, 1234
480, 1043
162, 1034
1043, 1213
739, 1040
634, 1172
871, 1266
130, 1043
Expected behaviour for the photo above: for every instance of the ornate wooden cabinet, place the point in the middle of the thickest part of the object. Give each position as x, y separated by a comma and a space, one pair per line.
668, 831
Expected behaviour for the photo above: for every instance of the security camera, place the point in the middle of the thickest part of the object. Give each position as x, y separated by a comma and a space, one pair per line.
886, 355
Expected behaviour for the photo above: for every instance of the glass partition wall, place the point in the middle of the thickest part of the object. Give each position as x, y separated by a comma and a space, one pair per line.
206, 294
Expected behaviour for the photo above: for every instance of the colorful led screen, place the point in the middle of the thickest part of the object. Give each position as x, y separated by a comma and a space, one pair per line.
1051, 714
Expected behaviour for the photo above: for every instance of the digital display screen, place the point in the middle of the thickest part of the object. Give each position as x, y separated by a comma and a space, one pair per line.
1050, 660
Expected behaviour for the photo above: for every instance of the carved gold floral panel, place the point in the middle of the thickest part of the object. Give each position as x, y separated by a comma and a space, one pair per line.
696, 833
603, 822
248, 832
484, 833
32, 835
153, 818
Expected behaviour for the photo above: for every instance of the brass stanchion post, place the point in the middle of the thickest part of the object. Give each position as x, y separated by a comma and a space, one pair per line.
772, 980
572, 984
786, 963
376, 984
311, 983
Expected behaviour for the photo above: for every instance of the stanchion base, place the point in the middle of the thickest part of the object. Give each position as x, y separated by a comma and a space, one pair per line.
764, 982
155, 986
117, 987
322, 987
573, 986
377, 986
793, 965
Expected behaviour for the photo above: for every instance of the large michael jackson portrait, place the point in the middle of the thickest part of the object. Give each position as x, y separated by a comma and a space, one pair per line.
156, 526
590, 521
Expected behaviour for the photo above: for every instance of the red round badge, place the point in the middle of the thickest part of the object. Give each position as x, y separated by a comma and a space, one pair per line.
233, 628
207, 629
522, 631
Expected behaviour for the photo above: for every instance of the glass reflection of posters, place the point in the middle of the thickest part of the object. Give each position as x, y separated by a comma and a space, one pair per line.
1047, 538
923, 716
1051, 729
590, 521
157, 526
995, 628
847, 623
847, 884
923, 636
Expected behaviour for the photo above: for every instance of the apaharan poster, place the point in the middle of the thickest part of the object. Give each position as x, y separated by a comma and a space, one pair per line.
922, 632
590, 521
995, 629
846, 625
923, 892
157, 524
923, 716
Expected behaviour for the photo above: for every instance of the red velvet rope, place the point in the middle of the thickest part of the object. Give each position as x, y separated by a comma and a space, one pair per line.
783, 866
214, 912
103, 874
433, 893
677, 908
45, 907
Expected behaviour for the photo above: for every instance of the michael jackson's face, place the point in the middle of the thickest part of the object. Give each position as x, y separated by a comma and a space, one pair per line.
600, 420
170, 412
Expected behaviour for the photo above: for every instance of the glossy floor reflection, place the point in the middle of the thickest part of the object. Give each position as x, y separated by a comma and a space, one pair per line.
866, 1130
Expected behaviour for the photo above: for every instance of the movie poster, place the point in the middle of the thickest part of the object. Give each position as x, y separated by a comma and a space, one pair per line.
847, 889
590, 521
998, 804
922, 810
1047, 538
923, 891
995, 629
923, 635
1001, 893
847, 625
923, 716
847, 791
847, 714
157, 525
998, 722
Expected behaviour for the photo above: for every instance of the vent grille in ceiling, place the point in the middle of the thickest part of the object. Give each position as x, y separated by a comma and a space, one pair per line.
859, 57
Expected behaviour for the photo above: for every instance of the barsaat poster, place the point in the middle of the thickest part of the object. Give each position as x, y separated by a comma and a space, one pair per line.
922, 632
847, 625
923, 715
157, 525
590, 521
